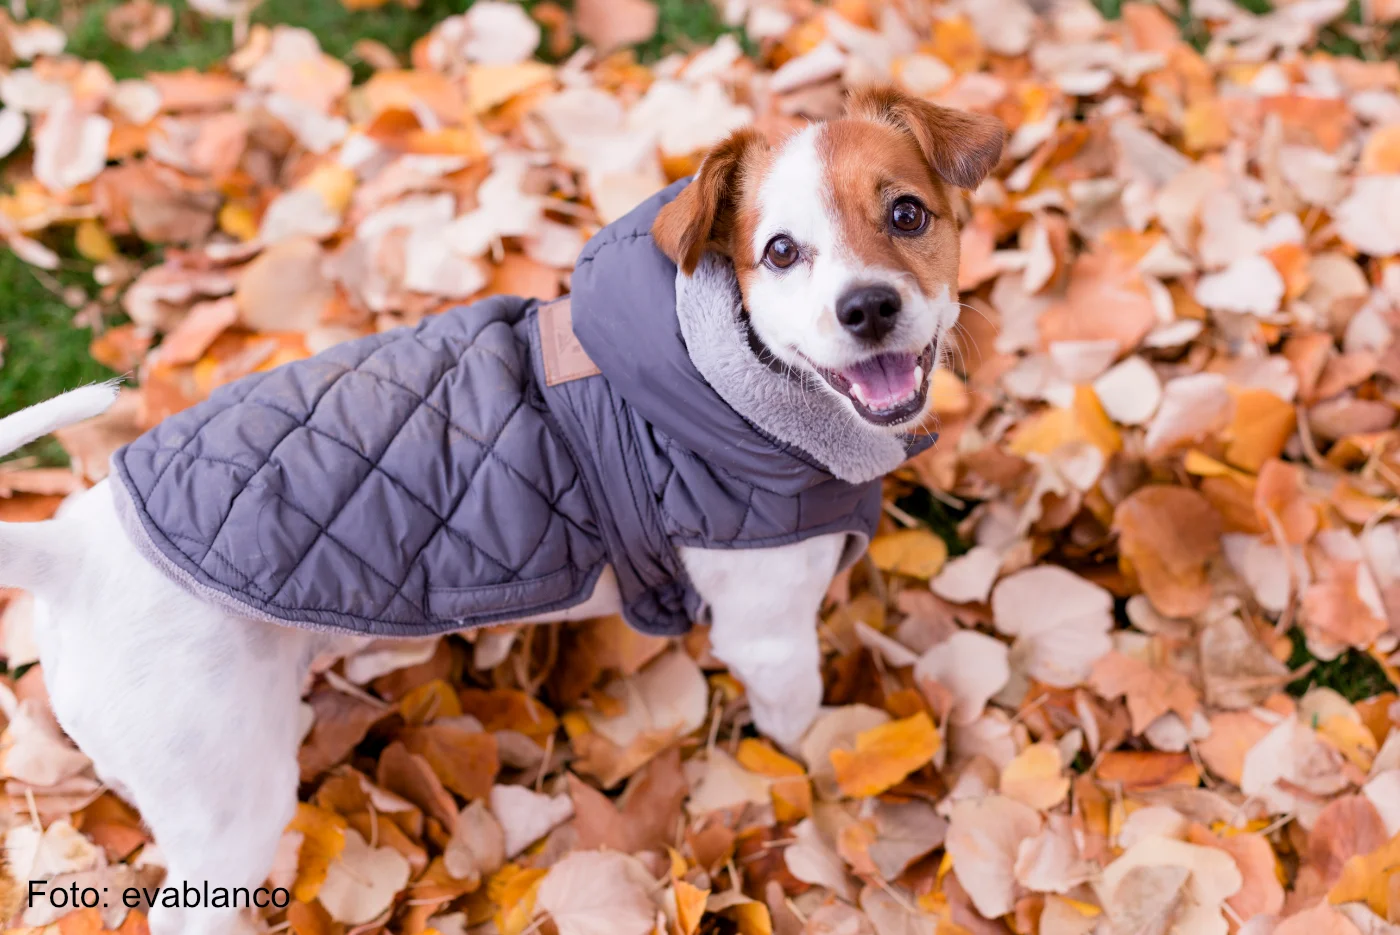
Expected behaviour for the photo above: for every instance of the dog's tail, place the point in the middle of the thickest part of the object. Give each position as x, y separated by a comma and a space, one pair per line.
24, 547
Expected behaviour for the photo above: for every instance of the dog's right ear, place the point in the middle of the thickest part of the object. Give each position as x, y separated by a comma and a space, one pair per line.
702, 215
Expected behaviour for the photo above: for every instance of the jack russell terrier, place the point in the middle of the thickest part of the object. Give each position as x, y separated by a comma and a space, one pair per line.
697, 433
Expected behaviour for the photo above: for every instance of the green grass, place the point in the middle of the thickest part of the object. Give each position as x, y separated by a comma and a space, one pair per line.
941, 518
1354, 675
44, 352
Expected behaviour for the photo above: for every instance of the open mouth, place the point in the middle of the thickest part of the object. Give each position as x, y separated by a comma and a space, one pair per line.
888, 388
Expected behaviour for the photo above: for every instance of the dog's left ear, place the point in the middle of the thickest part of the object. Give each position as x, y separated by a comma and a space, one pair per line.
961, 147
701, 216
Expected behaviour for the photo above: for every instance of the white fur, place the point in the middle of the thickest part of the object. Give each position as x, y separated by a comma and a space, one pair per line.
794, 310
190, 713
42, 418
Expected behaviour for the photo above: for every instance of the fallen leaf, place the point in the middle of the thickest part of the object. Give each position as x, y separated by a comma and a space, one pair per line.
968, 578
1210, 877
527, 816
1060, 622
1151, 691
884, 755
1168, 536
1035, 777
1370, 878
70, 147
811, 860
917, 553
1319, 920
983, 837
478, 844
970, 665
609, 24
598, 893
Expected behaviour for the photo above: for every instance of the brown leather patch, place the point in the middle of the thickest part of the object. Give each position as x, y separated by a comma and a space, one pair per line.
564, 358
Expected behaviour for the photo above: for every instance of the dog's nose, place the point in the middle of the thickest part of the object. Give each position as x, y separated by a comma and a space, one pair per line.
869, 312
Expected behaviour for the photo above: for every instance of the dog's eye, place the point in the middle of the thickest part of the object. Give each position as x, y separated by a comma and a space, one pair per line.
781, 252
908, 216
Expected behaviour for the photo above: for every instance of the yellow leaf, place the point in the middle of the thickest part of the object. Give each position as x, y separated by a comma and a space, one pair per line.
513, 889
917, 553
792, 798
335, 184
690, 906
236, 220
758, 757
1087, 910
1043, 433
492, 85
1369, 879
1202, 465
323, 838
1351, 738
428, 702
93, 243
1035, 777
1084, 421
752, 918
575, 724
956, 42
1095, 426
678, 863
1205, 126
884, 755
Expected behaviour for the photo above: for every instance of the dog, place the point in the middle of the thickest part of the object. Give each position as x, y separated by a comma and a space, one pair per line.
759, 341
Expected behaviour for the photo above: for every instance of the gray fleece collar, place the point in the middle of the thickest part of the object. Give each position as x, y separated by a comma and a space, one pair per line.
808, 418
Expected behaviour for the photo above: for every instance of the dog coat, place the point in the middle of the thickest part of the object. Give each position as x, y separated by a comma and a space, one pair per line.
487, 464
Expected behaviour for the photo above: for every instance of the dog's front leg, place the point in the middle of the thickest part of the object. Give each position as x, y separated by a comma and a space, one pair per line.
763, 608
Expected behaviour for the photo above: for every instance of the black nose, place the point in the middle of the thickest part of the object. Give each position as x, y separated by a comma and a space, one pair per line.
868, 312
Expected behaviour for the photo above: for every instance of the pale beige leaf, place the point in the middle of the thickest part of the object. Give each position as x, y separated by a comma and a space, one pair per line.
598, 893
362, 882
984, 836
527, 816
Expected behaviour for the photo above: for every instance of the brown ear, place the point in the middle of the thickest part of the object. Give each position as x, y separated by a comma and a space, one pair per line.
702, 214
961, 147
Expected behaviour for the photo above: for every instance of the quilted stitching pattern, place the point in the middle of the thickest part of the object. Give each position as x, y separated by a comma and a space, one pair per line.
422, 480
392, 484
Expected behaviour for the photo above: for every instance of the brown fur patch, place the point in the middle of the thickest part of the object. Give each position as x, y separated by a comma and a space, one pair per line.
868, 166
708, 211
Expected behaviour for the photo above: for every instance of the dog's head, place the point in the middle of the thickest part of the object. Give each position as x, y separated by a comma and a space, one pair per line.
844, 241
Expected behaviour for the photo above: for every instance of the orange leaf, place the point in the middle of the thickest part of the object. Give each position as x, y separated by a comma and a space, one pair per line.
1170, 535
465, 761
757, 756
1371, 879
1151, 691
884, 755
1139, 771
323, 838
690, 906
1259, 429
1282, 504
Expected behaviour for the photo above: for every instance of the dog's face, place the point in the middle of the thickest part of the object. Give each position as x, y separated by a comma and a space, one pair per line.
844, 241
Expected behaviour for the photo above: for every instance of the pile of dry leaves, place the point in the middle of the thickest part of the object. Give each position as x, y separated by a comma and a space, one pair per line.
1171, 440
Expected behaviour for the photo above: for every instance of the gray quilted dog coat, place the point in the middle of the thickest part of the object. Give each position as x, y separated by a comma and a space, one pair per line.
444, 476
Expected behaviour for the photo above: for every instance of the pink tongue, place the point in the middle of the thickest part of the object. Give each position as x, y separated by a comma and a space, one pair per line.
884, 380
